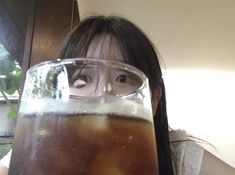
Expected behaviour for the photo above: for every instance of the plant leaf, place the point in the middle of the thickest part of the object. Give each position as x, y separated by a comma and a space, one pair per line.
10, 72
16, 72
11, 113
7, 62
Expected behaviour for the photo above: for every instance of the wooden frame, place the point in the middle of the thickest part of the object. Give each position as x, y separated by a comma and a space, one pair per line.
48, 23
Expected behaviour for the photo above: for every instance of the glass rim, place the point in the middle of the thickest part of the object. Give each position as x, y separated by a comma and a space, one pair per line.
71, 60
112, 63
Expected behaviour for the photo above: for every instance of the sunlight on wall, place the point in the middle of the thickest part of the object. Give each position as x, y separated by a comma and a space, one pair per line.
202, 102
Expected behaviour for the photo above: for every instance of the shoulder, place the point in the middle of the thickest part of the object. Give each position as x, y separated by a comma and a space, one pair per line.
3, 170
5, 161
211, 165
4, 164
187, 155
189, 158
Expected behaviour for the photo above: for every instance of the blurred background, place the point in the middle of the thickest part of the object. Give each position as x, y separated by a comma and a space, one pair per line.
195, 40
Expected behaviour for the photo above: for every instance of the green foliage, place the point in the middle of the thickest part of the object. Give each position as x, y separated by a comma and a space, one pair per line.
7, 62
12, 113
10, 74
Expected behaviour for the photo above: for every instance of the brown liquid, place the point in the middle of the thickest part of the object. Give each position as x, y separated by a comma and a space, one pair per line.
87, 144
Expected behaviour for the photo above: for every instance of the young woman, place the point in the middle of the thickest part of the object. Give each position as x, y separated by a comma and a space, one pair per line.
119, 39
116, 38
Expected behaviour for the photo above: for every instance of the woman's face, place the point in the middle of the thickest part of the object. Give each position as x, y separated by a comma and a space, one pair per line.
97, 80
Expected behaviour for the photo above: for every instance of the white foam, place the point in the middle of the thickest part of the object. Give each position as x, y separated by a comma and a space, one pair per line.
120, 107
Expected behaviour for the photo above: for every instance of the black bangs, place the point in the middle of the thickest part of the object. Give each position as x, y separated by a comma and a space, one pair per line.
133, 45
91, 30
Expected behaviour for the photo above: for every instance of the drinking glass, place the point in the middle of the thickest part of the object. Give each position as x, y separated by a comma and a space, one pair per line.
84, 116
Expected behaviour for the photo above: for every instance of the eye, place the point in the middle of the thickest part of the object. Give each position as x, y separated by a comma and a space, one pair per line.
122, 78
81, 81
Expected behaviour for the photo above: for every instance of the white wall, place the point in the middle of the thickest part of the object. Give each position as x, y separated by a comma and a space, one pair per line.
196, 42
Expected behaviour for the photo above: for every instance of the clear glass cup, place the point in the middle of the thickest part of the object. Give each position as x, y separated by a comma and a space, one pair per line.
84, 116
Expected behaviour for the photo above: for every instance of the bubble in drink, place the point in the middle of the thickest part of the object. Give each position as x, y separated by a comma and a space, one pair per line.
83, 144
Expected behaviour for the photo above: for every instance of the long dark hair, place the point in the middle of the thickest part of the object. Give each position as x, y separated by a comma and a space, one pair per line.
139, 51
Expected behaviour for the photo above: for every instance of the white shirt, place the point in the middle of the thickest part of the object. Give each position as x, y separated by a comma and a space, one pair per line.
186, 154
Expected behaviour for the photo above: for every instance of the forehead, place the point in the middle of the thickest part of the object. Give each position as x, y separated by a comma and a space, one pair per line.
105, 47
